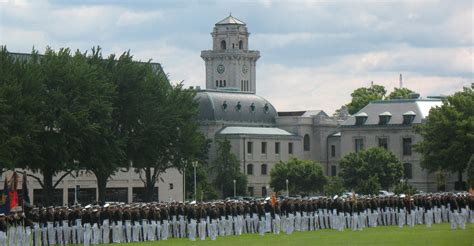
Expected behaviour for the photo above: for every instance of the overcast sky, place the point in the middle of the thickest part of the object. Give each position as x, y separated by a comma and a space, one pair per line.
313, 53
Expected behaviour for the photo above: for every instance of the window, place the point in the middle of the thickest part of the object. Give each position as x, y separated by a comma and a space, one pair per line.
220, 83
384, 118
250, 190
264, 191
406, 146
383, 143
359, 144
361, 118
306, 142
277, 148
249, 169
263, 169
223, 45
407, 170
249, 147
233, 45
171, 186
333, 171
264, 147
408, 117
333, 150
290, 148
225, 84
241, 44
217, 83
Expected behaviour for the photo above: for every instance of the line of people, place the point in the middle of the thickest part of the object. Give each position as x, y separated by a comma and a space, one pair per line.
117, 222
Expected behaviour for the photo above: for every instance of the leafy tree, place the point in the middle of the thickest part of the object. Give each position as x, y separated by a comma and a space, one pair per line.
400, 93
70, 102
369, 186
104, 151
404, 188
448, 134
304, 176
361, 171
334, 186
19, 99
362, 96
226, 168
470, 172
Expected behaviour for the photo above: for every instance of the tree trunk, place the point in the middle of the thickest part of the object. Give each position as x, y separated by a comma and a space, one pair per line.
460, 177
48, 189
149, 185
101, 187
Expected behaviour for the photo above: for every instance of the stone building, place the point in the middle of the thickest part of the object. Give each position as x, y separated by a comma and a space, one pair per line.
261, 136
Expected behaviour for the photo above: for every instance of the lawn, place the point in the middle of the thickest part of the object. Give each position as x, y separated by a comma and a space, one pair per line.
439, 234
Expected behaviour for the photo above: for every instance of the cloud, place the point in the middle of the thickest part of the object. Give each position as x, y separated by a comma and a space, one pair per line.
129, 18
314, 54
304, 88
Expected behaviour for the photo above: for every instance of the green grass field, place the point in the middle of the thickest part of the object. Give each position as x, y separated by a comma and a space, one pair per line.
439, 234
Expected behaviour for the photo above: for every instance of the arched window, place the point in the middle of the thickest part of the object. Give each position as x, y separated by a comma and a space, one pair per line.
306, 143
223, 45
241, 44
264, 169
249, 169
407, 169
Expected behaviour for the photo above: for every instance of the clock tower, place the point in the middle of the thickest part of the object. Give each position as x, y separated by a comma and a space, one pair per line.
230, 65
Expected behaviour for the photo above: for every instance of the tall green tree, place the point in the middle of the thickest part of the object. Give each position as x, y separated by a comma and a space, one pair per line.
304, 176
204, 187
470, 172
400, 93
104, 151
448, 134
362, 96
19, 97
71, 103
362, 170
226, 168
334, 186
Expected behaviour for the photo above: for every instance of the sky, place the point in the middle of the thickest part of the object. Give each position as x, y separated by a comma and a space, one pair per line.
313, 53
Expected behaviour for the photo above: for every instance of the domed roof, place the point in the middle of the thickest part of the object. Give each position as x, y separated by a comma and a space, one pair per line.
235, 107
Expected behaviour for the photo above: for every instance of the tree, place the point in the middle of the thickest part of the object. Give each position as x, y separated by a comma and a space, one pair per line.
104, 151
362, 96
448, 134
226, 168
404, 188
202, 170
470, 172
361, 171
72, 101
334, 186
400, 93
18, 107
369, 185
304, 176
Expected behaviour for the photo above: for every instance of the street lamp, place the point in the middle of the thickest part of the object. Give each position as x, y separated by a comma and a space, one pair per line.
287, 191
195, 165
234, 188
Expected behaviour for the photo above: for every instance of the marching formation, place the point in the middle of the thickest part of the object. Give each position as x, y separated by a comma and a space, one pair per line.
117, 222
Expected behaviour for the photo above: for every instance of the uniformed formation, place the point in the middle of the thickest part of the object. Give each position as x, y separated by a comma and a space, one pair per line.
117, 223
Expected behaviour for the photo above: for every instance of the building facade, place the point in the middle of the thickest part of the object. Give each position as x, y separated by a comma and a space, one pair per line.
261, 136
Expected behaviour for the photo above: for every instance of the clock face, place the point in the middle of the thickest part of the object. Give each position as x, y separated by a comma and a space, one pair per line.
245, 69
220, 68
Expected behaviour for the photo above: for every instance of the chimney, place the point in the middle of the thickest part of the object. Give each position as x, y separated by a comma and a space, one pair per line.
401, 81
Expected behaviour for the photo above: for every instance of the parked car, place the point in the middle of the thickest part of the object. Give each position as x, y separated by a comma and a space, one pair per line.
386, 193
